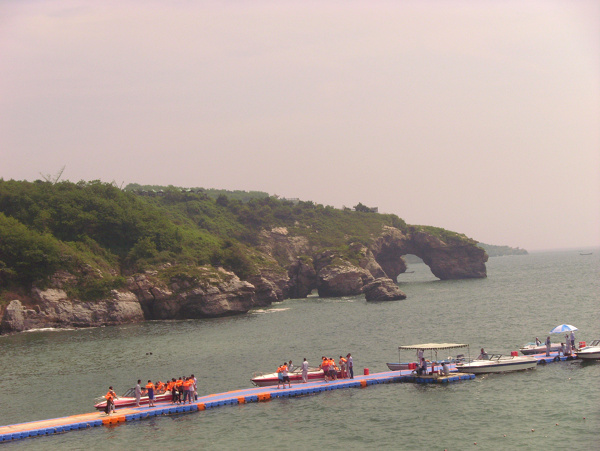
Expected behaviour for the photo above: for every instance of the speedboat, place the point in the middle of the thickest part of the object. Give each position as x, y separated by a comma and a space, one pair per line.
497, 363
532, 348
314, 374
590, 352
128, 399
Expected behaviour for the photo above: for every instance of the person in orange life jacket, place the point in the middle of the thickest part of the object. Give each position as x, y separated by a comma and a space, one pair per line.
325, 367
342, 363
179, 389
187, 390
279, 376
110, 401
150, 388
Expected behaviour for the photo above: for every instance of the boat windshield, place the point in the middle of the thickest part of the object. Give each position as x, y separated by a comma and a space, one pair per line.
129, 393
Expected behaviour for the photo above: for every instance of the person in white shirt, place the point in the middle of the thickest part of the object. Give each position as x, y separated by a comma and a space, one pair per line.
305, 371
350, 365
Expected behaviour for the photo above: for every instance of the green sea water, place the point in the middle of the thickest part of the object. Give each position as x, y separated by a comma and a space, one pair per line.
48, 374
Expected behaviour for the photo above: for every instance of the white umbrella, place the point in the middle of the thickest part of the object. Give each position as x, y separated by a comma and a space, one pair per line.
563, 328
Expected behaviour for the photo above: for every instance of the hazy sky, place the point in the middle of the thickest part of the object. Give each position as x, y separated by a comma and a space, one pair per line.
481, 117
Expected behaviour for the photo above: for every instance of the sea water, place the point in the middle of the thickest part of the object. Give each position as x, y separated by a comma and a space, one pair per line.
49, 374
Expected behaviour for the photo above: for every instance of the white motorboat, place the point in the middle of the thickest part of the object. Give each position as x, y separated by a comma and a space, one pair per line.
532, 348
497, 363
590, 352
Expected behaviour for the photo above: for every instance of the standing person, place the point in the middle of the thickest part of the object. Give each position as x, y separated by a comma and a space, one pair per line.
195, 387
150, 388
568, 341
332, 369
572, 340
325, 367
342, 363
420, 353
290, 366
350, 365
537, 341
280, 376
305, 371
138, 393
110, 401
172, 386
548, 344
286, 376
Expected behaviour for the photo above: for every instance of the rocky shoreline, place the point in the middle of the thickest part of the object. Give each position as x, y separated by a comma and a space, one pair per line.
371, 271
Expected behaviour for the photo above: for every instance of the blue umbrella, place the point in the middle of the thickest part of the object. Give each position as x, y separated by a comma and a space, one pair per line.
563, 328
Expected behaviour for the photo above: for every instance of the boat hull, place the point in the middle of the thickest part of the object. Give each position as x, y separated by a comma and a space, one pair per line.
398, 366
295, 378
592, 354
532, 349
498, 366
128, 401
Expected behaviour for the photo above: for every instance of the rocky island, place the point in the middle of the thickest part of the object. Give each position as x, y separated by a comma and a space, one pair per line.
90, 254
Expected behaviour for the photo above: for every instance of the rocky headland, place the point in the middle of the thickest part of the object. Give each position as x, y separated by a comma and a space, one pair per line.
90, 254
216, 292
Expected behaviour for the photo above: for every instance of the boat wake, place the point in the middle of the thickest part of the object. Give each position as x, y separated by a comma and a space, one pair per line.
270, 310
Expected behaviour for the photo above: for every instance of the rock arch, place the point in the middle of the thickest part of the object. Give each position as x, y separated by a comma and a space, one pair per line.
458, 258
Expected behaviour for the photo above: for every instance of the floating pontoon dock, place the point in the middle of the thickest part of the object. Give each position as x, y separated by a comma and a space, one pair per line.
256, 394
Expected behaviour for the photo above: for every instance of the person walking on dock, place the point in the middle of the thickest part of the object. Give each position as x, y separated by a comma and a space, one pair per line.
305, 371
548, 344
350, 365
110, 401
138, 393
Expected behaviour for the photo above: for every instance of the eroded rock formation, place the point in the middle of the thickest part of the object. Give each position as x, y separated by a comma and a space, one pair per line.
292, 269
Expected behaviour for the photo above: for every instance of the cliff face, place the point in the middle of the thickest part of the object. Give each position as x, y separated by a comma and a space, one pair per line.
370, 270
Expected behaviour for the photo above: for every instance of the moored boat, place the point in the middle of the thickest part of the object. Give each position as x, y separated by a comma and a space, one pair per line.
314, 374
433, 361
532, 348
498, 363
128, 399
590, 352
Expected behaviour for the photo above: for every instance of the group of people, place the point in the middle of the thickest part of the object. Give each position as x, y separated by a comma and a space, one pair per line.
183, 389
566, 348
422, 366
331, 370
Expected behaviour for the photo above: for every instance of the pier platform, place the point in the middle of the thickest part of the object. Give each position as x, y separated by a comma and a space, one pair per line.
255, 394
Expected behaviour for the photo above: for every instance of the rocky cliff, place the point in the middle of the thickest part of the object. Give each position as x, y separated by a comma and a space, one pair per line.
214, 292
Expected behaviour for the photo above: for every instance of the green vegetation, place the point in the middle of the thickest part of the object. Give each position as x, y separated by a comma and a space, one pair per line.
100, 234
